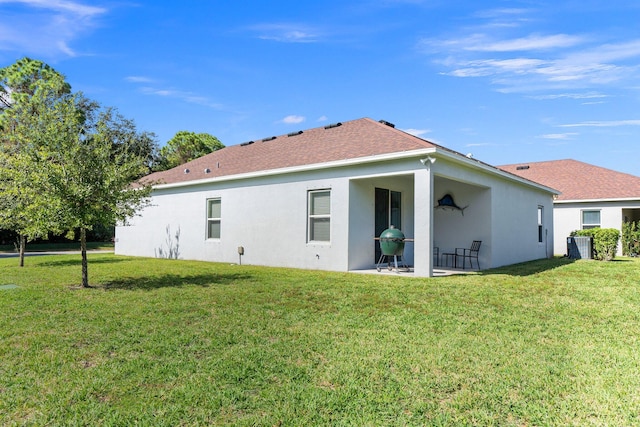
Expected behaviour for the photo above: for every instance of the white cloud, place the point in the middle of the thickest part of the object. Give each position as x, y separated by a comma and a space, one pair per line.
159, 92
323, 118
74, 8
293, 119
607, 52
504, 17
185, 96
587, 95
58, 24
515, 61
417, 132
188, 97
501, 13
603, 123
576, 70
559, 136
139, 79
481, 43
480, 144
287, 33
64, 48
491, 67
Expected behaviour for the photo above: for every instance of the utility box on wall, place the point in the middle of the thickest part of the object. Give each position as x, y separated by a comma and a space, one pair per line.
580, 247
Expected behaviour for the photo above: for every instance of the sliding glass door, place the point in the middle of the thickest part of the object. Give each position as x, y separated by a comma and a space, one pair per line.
388, 212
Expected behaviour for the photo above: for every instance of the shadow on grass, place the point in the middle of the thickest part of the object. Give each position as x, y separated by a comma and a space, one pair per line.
539, 266
78, 262
531, 267
173, 280
58, 247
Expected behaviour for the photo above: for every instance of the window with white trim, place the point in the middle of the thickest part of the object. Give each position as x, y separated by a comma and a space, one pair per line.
590, 219
213, 218
540, 224
319, 213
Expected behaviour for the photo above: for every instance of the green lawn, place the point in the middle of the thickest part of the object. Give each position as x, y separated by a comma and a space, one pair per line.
171, 343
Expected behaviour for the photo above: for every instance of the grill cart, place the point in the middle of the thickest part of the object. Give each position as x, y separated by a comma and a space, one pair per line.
392, 247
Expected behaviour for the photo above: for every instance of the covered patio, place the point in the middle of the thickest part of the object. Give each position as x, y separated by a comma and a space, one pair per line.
436, 213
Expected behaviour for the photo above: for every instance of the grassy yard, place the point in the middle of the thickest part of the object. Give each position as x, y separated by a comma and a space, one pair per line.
168, 343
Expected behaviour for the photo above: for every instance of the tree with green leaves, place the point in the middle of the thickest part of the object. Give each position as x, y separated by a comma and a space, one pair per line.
17, 197
22, 78
27, 89
68, 164
186, 146
90, 170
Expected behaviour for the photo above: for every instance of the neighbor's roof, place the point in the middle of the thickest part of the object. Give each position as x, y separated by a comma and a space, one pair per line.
348, 140
579, 181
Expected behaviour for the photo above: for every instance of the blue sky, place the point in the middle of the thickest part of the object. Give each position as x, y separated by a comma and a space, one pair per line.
508, 81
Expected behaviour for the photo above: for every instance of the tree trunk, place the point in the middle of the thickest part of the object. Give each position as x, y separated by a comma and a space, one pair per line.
23, 243
83, 249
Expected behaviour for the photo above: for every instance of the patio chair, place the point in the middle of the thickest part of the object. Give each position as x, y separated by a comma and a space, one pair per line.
470, 254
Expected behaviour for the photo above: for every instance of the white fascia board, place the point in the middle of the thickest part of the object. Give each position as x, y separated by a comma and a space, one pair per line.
304, 168
627, 199
476, 164
435, 151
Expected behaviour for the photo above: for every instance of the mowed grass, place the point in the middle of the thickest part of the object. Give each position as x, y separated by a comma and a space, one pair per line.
170, 343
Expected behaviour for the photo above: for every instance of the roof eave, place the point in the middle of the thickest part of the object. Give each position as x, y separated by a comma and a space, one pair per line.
302, 168
439, 151
474, 163
444, 153
623, 199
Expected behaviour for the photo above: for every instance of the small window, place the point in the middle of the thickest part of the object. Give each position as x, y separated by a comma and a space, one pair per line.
319, 228
540, 224
213, 218
590, 219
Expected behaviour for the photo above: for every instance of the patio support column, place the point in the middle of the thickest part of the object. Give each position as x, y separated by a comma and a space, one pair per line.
423, 222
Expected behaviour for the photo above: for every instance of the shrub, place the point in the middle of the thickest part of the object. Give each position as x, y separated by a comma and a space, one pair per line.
605, 242
631, 238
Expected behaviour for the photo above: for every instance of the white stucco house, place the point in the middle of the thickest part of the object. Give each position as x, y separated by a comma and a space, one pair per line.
590, 196
317, 199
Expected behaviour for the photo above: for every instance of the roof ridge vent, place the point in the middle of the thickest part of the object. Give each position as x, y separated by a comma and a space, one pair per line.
521, 168
294, 133
333, 125
271, 138
384, 122
244, 144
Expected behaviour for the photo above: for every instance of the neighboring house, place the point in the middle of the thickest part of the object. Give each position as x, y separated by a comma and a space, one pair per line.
316, 199
590, 196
